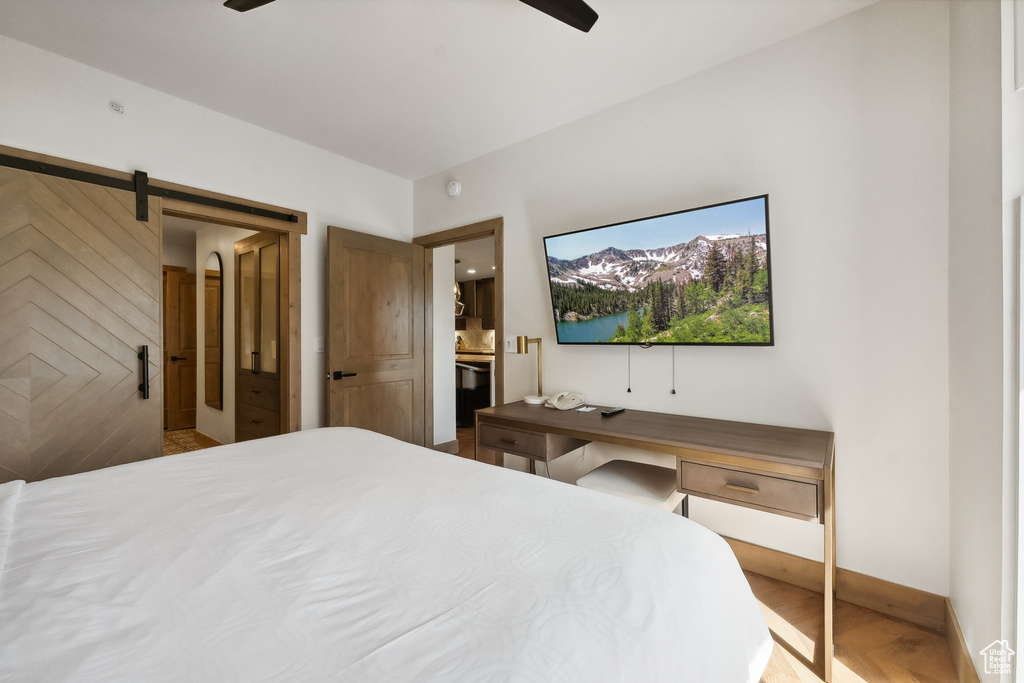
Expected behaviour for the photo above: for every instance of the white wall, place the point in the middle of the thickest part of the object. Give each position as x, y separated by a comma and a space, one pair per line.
847, 128
444, 347
986, 183
975, 322
1012, 41
56, 106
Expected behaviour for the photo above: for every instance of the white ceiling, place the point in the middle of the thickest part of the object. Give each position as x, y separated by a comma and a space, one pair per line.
412, 87
180, 232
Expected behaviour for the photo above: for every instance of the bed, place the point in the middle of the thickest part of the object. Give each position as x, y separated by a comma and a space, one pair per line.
340, 554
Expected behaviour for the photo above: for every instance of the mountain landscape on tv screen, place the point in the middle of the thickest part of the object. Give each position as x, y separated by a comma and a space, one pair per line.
712, 289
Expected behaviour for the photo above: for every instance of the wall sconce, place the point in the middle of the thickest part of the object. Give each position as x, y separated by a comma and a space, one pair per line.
522, 346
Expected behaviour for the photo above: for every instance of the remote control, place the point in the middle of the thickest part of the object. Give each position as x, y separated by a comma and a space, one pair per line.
612, 411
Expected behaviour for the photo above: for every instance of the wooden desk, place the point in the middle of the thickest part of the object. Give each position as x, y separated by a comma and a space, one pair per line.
781, 470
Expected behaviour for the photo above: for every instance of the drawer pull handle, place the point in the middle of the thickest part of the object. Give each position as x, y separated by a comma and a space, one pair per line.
255, 391
509, 441
744, 489
256, 422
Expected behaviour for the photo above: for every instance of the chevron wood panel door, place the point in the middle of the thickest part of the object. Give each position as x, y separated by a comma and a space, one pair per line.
80, 283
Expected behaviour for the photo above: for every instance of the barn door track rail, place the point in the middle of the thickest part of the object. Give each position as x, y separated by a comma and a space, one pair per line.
139, 184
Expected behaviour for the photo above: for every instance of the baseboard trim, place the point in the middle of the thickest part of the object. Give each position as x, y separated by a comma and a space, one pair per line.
916, 606
206, 441
962, 660
450, 447
774, 564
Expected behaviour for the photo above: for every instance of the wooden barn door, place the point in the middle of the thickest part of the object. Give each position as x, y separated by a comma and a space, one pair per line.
80, 286
375, 328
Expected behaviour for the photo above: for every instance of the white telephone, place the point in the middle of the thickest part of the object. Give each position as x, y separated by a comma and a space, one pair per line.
566, 400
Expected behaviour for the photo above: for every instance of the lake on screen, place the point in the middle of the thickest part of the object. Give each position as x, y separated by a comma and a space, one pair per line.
593, 330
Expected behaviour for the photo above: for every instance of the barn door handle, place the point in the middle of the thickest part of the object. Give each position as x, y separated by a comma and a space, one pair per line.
144, 357
338, 374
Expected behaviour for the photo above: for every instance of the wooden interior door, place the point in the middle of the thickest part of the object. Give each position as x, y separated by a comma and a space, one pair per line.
79, 295
180, 349
375, 328
213, 339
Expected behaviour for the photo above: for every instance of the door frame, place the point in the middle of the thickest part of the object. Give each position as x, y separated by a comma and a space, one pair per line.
492, 227
291, 299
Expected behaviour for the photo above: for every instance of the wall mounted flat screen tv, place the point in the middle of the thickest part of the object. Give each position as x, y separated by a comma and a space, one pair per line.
699, 276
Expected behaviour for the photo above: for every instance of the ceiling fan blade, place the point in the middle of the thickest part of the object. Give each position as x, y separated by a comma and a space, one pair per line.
245, 5
575, 13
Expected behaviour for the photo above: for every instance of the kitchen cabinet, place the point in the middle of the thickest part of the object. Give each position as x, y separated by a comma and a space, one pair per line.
485, 302
478, 297
468, 298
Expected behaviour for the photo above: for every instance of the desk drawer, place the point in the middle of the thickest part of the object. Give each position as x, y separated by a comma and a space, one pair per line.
763, 492
528, 444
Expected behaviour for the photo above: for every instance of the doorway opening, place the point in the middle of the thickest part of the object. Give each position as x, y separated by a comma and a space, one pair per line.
199, 388
474, 336
203, 240
455, 389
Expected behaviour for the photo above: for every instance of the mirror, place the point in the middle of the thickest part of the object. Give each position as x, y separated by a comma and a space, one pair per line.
214, 337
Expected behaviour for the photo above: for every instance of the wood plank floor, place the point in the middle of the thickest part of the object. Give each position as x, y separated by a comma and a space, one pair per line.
184, 441
869, 646
467, 442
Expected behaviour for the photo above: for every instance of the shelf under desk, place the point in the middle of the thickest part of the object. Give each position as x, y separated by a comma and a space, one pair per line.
782, 470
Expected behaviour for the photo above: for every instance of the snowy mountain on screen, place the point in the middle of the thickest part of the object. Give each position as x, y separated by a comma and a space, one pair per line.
634, 269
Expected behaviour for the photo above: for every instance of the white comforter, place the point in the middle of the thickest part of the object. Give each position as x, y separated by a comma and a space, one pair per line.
339, 554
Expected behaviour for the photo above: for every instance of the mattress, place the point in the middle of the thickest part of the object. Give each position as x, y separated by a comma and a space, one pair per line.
340, 554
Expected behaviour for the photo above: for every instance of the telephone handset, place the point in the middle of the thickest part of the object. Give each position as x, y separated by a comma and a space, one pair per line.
565, 400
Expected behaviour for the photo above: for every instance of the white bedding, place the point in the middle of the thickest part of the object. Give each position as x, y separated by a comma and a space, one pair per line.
339, 554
